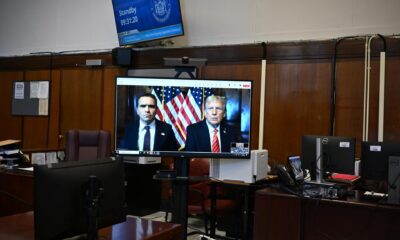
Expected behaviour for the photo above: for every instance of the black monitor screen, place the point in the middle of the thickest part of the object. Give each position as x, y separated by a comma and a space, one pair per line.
182, 115
338, 154
375, 157
140, 21
60, 197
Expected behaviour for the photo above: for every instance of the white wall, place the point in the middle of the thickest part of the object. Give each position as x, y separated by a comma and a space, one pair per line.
29, 26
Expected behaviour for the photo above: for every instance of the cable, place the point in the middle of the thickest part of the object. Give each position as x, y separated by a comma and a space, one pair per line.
333, 84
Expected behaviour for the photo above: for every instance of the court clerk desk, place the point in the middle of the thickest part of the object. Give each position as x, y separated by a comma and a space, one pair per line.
16, 216
279, 215
21, 226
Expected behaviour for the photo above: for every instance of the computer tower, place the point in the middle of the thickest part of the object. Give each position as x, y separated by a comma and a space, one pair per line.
243, 170
394, 180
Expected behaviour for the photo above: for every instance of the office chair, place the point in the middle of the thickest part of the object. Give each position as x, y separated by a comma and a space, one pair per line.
87, 144
199, 203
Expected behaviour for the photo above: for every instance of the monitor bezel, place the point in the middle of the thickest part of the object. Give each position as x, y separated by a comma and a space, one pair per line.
181, 154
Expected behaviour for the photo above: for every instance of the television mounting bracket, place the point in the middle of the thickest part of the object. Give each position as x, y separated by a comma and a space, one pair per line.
186, 65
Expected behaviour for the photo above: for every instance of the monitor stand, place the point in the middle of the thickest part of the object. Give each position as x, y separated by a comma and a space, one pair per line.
180, 193
319, 167
93, 196
319, 173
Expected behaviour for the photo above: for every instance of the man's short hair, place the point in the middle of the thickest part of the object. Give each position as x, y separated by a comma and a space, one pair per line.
147, 95
212, 98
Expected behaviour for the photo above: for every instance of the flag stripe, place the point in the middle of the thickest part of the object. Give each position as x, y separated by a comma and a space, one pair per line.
180, 111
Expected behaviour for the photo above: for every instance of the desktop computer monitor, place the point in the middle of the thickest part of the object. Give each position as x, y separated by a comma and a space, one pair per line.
375, 159
61, 197
337, 154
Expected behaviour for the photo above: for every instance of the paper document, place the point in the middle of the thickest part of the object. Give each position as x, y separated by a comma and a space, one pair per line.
19, 91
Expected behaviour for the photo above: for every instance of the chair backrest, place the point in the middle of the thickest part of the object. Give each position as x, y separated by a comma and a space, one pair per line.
87, 144
198, 190
199, 167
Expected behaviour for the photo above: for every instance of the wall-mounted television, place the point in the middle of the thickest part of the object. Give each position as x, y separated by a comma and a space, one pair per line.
192, 109
141, 21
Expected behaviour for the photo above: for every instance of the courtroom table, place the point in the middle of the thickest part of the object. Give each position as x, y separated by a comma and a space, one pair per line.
21, 226
16, 191
278, 215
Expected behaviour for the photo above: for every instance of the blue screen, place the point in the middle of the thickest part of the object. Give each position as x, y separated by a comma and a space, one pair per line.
146, 20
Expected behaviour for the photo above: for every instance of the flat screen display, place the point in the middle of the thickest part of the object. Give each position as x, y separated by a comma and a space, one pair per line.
375, 159
186, 117
61, 193
337, 154
140, 21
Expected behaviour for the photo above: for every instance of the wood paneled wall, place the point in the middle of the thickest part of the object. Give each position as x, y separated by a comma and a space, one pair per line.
297, 84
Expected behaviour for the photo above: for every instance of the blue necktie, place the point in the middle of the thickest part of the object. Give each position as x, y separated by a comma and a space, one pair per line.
146, 142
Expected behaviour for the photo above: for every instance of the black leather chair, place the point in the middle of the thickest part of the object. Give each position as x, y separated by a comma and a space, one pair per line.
87, 145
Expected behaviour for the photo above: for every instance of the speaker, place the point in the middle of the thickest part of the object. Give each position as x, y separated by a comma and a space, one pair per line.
122, 56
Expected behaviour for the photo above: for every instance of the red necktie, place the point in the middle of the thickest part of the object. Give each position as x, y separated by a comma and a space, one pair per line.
215, 142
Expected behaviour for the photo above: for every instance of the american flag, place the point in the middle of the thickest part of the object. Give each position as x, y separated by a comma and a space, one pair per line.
180, 111
169, 102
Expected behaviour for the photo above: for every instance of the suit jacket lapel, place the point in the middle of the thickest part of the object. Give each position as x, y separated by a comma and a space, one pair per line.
205, 135
135, 135
224, 137
157, 139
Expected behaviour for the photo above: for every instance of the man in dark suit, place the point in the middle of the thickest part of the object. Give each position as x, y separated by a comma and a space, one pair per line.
148, 133
211, 134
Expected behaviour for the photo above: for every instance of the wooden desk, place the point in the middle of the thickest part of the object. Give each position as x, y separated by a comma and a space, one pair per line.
21, 226
279, 215
16, 192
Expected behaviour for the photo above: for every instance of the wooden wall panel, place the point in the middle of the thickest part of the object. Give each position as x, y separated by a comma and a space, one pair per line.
349, 100
108, 94
10, 126
80, 99
297, 103
298, 84
35, 130
244, 71
392, 101
54, 108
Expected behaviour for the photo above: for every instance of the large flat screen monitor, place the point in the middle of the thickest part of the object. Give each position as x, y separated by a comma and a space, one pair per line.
375, 158
182, 115
337, 153
60, 197
140, 21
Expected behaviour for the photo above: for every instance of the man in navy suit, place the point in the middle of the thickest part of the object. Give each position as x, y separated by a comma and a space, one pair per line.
148, 133
211, 134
